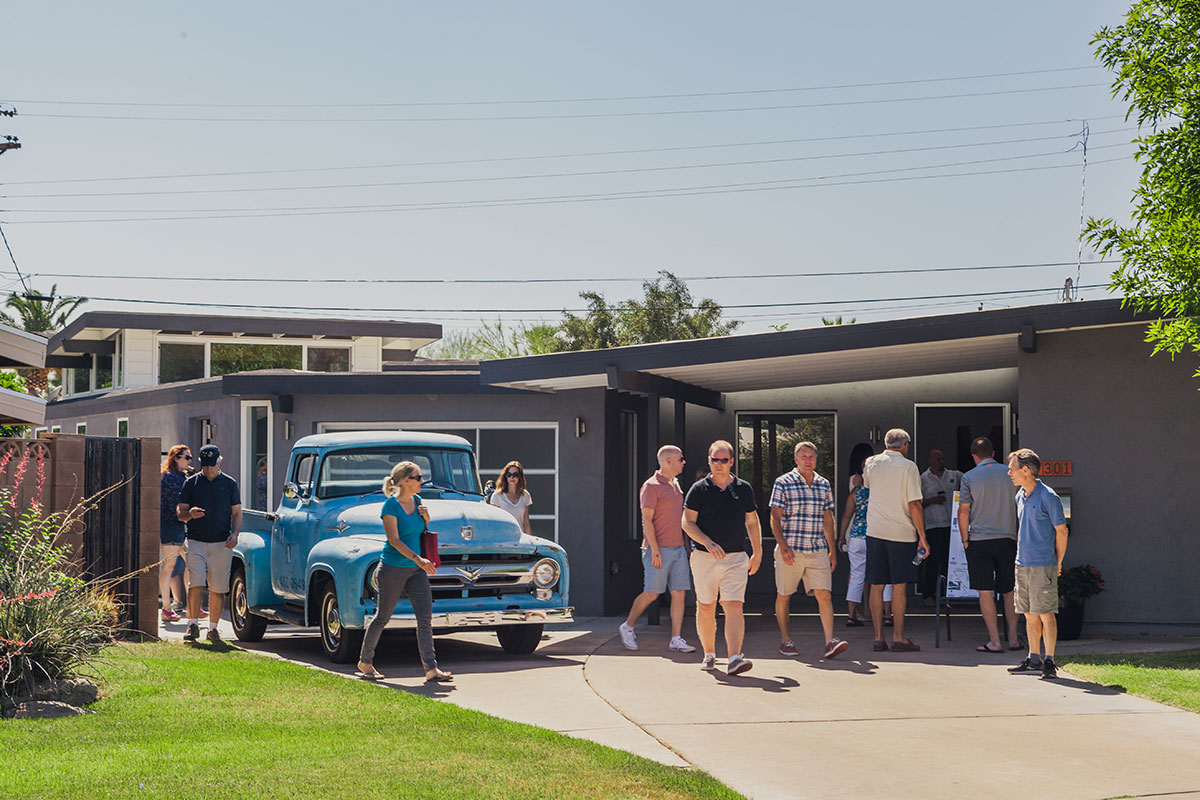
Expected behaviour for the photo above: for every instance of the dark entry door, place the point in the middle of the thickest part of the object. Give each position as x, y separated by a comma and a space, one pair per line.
952, 428
765, 443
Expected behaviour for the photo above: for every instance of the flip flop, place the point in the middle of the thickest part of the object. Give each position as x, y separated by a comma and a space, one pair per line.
370, 676
851, 622
879, 645
986, 648
439, 676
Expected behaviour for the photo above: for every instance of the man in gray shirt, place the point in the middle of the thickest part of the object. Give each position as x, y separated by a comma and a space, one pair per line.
987, 521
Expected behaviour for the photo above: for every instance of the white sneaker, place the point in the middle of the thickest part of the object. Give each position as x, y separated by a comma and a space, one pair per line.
709, 662
628, 637
677, 643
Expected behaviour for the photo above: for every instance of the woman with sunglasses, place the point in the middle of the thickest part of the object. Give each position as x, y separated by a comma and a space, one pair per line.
403, 571
511, 496
172, 533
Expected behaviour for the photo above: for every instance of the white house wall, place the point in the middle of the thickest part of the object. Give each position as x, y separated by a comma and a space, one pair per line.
367, 355
140, 357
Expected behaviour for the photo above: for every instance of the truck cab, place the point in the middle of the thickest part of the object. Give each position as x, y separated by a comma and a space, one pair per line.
312, 561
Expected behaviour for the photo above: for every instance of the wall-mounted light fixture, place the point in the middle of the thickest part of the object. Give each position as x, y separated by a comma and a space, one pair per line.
289, 430
580, 427
874, 435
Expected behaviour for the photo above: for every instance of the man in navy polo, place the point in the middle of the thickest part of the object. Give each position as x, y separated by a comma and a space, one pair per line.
211, 504
719, 514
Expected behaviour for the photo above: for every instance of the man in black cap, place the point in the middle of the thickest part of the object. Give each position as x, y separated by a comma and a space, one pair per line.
211, 505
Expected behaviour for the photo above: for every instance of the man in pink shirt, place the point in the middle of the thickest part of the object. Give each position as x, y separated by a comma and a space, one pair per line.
664, 556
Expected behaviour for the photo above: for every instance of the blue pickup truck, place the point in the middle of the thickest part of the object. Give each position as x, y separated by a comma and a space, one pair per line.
312, 561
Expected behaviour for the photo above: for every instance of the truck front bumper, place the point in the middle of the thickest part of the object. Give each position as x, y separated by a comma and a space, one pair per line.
484, 619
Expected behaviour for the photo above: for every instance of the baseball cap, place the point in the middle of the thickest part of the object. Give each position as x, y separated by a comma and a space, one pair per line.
209, 455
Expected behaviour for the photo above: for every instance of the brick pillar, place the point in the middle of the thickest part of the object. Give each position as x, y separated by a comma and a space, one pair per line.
147, 600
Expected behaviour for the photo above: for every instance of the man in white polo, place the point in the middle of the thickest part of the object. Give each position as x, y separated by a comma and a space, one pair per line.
895, 532
803, 527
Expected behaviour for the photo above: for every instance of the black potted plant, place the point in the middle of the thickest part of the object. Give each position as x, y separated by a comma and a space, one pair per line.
1076, 585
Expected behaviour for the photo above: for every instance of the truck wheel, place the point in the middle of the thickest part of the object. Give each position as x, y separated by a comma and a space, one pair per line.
519, 640
341, 644
247, 626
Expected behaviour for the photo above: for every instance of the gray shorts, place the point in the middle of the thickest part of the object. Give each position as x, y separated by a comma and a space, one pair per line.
674, 575
1037, 590
209, 563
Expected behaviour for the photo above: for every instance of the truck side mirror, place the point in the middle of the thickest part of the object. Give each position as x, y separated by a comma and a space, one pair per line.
291, 491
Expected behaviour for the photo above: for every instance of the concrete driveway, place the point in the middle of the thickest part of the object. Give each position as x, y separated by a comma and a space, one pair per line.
942, 723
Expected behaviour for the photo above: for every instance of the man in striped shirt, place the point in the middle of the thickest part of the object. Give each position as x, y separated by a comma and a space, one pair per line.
803, 527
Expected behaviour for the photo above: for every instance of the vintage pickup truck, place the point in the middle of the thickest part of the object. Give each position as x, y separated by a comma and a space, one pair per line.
312, 561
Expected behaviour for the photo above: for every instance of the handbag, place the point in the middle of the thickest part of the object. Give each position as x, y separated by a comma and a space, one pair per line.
429, 547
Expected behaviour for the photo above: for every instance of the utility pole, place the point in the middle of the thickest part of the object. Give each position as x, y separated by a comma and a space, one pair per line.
8, 142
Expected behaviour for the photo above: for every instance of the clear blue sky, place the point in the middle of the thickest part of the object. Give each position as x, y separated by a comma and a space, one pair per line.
248, 59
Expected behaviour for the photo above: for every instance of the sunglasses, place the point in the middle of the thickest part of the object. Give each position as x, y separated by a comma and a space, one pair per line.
512, 474
188, 456
717, 460
418, 478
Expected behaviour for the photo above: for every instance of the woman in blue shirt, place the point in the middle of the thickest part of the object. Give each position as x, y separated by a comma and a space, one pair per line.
172, 533
403, 570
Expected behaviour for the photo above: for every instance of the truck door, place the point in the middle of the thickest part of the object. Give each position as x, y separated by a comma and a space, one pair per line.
292, 522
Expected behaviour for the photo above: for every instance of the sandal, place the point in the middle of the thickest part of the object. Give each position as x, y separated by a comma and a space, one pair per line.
368, 672
438, 676
851, 622
986, 647
906, 646
879, 645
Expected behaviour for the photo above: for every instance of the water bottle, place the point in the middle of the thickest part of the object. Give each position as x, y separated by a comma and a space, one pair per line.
919, 557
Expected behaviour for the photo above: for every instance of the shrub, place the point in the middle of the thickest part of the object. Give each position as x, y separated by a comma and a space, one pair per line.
1077, 584
52, 622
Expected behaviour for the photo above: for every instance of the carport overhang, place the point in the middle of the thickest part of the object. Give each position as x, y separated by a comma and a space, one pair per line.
701, 371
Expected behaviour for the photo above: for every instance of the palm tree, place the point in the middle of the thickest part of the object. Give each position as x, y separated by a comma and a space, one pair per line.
39, 313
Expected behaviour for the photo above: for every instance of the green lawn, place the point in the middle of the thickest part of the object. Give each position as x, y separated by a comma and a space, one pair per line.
1171, 678
182, 722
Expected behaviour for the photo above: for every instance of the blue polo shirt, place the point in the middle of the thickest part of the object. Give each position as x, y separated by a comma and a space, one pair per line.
1038, 514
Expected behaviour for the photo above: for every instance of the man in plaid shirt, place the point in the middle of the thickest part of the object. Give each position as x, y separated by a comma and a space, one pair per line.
803, 527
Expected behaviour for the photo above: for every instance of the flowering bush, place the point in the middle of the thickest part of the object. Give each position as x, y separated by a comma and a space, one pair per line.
1077, 584
52, 622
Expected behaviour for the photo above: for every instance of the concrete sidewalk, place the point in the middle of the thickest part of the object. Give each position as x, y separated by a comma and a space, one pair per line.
941, 723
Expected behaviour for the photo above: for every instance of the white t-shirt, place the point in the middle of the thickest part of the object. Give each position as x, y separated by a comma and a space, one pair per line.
938, 514
894, 482
517, 509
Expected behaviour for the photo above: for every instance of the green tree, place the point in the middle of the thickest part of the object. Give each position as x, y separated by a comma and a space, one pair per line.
39, 313
1156, 61
12, 381
667, 311
493, 341
830, 321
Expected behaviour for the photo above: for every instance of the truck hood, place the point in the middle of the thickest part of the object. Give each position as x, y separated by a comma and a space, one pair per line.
462, 526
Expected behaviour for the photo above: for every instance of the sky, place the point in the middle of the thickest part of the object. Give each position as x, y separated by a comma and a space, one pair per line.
409, 149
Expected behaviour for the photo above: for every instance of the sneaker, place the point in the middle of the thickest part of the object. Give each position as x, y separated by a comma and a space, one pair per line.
177, 607
170, 616
1026, 665
738, 664
193, 632
834, 648
788, 648
213, 636
1048, 669
710, 662
628, 637
678, 644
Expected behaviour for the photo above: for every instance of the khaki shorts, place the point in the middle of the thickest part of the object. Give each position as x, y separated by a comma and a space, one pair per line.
209, 563
812, 567
1037, 590
725, 579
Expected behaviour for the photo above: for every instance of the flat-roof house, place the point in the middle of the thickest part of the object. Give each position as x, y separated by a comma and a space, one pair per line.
1074, 381
21, 349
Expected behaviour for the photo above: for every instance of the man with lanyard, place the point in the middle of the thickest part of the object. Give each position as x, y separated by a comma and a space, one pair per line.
211, 504
803, 527
719, 514
938, 486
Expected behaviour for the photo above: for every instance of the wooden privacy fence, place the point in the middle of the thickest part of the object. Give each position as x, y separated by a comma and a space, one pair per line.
119, 533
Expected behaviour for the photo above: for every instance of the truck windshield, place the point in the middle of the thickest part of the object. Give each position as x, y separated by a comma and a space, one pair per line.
362, 471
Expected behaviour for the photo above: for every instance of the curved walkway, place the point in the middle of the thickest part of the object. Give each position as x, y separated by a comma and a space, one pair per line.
941, 723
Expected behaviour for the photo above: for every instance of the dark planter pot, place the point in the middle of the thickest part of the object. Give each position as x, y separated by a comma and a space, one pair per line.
1070, 621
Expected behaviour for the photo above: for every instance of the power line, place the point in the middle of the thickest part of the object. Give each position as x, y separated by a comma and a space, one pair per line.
543, 175
589, 115
539, 157
609, 98
799, 304
878, 272
14, 261
712, 189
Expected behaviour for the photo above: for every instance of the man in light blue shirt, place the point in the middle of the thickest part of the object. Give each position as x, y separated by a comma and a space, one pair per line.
1041, 546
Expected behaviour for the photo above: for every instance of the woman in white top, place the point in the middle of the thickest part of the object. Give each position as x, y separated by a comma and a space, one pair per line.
511, 496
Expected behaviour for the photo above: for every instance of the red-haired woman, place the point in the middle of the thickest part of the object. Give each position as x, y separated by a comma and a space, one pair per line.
511, 495
172, 533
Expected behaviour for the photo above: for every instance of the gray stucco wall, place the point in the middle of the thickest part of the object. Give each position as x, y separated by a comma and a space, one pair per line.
1131, 426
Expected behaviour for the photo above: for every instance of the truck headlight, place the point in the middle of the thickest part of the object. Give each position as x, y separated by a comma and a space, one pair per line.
545, 573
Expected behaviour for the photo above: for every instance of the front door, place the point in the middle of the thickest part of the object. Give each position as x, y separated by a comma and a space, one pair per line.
952, 428
766, 443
